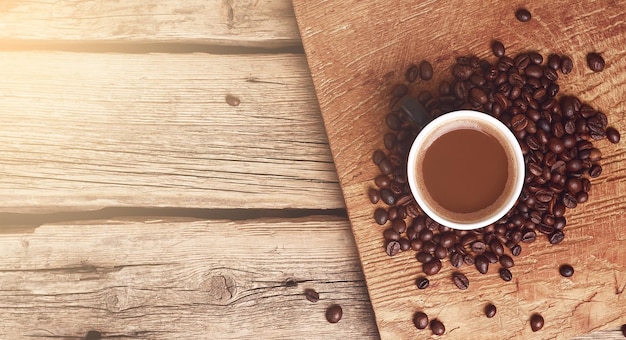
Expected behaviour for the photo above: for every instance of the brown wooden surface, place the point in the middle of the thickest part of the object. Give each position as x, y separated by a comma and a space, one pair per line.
141, 84
358, 49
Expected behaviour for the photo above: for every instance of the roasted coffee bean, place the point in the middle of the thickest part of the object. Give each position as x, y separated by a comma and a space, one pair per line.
555, 144
398, 225
468, 259
478, 95
412, 73
232, 100
399, 91
536, 322
381, 216
311, 295
612, 135
393, 121
422, 282
416, 245
582, 197
523, 15
478, 247
497, 247
392, 213
390, 140
491, 257
497, 48
437, 327
482, 263
423, 257
420, 320
554, 61
385, 166
595, 62
424, 97
334, 313
519, 122
460, 280
506, 261
378, 156
426, 70
529, 236
391, 235
456, 259
393, 247
521, 61
566, 65
505, 274
566, 270
373, 195
534, 71
569, 200
535, 58
440, 252
516, 250
490, 310
595, 171
432, 267
462, 72
382, 181
556, 237
405, 244
387, 196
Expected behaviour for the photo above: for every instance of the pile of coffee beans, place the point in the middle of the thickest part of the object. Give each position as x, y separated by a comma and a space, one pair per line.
556, 133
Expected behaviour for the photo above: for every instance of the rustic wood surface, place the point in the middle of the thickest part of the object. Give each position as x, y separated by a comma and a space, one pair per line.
155, 279
155, 130
120, 125
358, 49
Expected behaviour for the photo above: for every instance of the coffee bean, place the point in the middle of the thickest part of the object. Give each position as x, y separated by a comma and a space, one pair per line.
440, 252
505, 274
426, 70
569, 200
232, 100
456, 259
460, 280
534, 71
497, 48
521, 61
523, 15
405, 244
529, 236
519, 122
422, 282
478, 247
437, 327
536, 322
373, 195
516, 250
385, 166
334, 313
612, 135
595, 62
381, 216
420, 320
566, 65
387, 196
478, 95
482, 263
411, 73
556, 237
566, 270
555, 144
506, 261
432, 267
424, 257
496, 247
490, 310
311, 295
393, 248
595, 171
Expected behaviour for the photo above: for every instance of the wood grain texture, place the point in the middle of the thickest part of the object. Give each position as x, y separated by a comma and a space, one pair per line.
357, 50
216, 22
84, 131
159, 279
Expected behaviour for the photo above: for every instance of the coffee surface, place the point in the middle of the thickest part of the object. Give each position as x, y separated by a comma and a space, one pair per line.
465, 170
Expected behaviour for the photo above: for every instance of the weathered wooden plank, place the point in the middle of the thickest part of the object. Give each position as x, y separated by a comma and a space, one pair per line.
183, 280
216, 22
85, 131
356, 59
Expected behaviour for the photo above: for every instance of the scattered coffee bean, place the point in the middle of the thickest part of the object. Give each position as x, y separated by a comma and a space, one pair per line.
432, 267
505, 274
380, 216
412, 73
374, 195
567, 65
566, 270
437, 327
612, 135
334, 313
506, 261
311, 295
232, 100
595, 62
426, 70
420, 320
490, 310
482, 263
536, 322
497, 48
523, 15
393, 248
516, 250
460, 280
422, 282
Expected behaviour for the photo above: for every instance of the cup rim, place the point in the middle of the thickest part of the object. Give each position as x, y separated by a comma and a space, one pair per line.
517, 152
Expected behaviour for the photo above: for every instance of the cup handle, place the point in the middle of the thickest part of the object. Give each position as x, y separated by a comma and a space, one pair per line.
413, 110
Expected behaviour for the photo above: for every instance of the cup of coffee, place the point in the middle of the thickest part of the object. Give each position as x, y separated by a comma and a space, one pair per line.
465, 169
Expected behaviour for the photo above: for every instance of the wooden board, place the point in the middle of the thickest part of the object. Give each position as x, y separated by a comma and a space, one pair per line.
168, 279
83, 131
250, 23
357, 50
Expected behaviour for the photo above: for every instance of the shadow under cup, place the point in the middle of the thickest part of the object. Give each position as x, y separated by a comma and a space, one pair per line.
466, 169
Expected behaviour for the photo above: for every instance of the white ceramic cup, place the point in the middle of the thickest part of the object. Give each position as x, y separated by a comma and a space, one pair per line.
467, 119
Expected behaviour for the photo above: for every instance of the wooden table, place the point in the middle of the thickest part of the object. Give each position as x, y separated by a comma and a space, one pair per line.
135, 201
